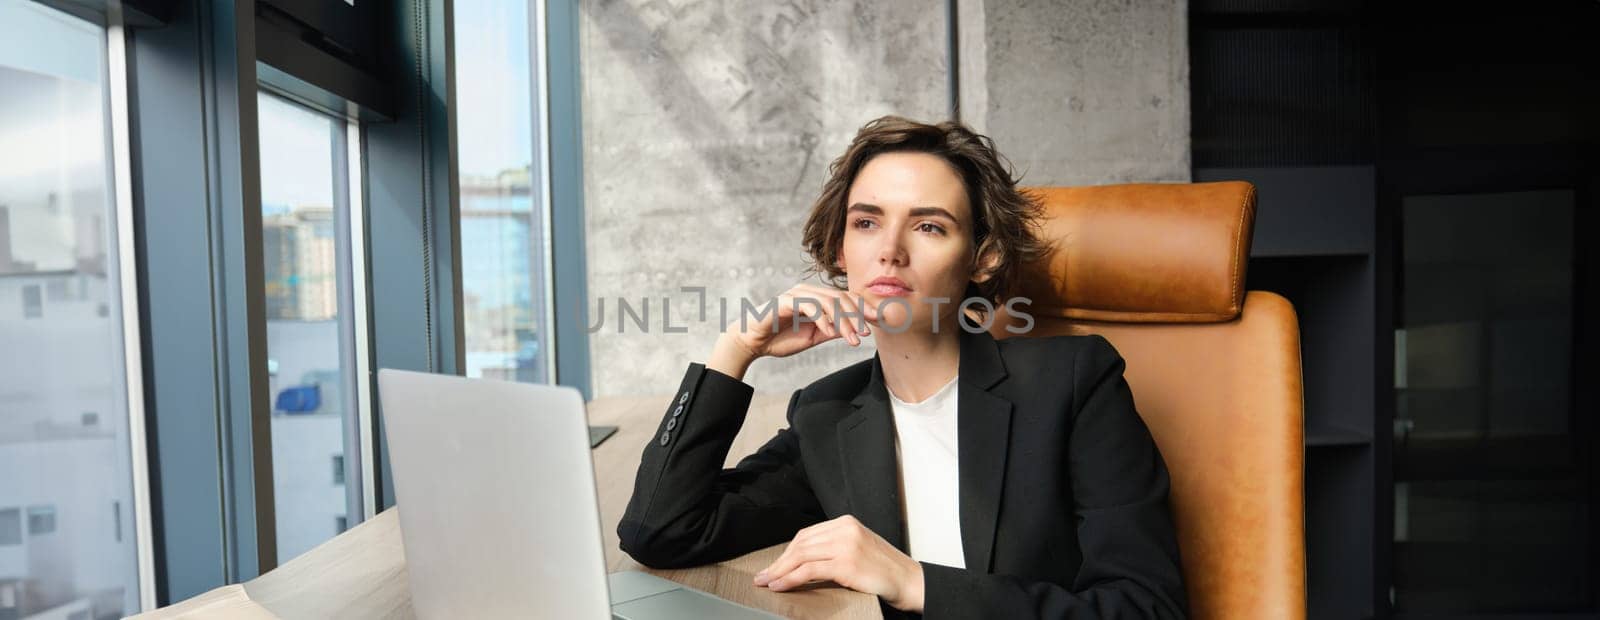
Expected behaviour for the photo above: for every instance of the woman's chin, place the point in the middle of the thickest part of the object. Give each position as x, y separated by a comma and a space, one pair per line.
895, 320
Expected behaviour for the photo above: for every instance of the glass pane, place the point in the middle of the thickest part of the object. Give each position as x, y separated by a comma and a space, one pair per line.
66, 517
305, 228
1492, 490
502, 230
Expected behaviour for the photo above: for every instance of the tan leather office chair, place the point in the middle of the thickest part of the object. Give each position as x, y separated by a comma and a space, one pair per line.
1158, 270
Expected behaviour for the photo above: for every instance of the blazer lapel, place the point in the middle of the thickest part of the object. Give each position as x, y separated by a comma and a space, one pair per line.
872, 475
983, 427
983, 435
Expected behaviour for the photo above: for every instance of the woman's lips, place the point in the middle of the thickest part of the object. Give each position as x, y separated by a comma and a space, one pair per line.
888, 290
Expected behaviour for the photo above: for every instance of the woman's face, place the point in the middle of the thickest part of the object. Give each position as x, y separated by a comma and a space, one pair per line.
907, 219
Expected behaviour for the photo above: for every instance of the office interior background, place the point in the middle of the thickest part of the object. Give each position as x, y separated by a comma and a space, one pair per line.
216, 219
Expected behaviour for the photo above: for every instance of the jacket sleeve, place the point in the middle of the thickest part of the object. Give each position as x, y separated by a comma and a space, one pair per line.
1119, 483
687, 510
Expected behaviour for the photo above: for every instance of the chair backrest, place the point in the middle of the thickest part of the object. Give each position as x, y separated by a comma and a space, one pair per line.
1158, 270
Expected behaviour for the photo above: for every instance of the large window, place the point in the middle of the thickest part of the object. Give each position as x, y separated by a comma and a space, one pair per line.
310, 300
67, 515
502, 216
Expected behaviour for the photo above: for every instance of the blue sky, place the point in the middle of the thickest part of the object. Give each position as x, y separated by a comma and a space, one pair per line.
494, 124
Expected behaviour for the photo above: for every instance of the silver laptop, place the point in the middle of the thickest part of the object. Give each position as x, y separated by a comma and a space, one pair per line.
498, 510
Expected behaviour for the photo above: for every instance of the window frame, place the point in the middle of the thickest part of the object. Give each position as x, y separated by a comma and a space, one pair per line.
129, 292
352, 291
194, 123
186, 125
123, 280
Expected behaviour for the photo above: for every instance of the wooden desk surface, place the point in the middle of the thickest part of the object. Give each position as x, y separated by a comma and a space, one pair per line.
361, 573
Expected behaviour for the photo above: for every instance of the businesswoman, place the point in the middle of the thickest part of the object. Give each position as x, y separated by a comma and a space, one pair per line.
951, 475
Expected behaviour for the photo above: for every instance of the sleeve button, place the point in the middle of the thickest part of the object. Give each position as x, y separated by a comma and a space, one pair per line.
666, 438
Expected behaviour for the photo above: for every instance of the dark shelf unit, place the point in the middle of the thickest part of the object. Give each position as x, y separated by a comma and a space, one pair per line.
1328, 436
1342, 111
1314, 245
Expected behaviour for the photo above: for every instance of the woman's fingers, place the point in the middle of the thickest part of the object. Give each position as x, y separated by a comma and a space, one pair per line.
843, 307
797, 552
844, 551
822, 313
835, 313
795, 556
789, 306
820, 570
858, 319
838, 314
809, 297
818, 541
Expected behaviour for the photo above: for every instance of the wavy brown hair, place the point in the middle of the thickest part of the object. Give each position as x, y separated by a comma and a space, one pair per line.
1004, 217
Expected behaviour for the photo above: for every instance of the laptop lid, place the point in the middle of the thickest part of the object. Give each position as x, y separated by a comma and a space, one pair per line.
496, 492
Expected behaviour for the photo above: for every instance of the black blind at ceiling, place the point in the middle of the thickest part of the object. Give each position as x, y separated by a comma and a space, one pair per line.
1283, 85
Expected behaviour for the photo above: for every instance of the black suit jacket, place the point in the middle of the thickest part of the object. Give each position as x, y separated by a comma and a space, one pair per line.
1063, 494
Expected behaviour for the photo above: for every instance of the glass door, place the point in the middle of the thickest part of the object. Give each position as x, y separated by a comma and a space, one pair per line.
1492, 474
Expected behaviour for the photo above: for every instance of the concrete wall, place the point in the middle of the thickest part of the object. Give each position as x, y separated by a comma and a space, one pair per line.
708, 128
1086, 92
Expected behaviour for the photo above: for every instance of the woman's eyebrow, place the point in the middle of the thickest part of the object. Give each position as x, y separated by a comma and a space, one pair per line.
940, 211
915, 211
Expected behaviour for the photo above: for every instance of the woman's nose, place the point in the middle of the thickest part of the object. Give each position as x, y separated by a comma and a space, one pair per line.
892, 252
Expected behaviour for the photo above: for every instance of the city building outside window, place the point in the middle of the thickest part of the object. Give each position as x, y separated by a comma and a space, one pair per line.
308, 314
65, 446
503, 221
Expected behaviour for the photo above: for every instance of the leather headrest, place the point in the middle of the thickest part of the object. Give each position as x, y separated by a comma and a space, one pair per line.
1142, 253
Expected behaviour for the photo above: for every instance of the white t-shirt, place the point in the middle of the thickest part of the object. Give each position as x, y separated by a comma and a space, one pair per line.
925, 444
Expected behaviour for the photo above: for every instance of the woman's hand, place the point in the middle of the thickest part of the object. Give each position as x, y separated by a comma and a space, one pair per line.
846, 552
807, 315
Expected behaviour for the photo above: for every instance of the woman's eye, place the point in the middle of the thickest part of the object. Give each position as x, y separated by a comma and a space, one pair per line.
931, 227
863, 223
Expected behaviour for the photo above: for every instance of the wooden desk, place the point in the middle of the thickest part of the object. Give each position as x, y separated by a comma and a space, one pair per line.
361, 573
